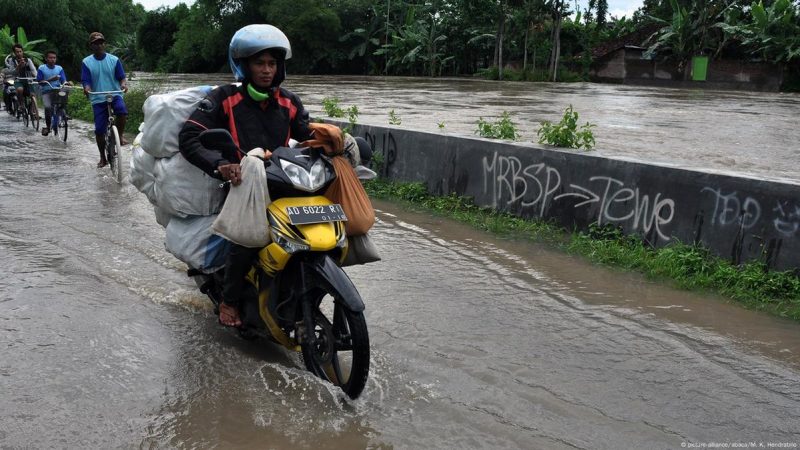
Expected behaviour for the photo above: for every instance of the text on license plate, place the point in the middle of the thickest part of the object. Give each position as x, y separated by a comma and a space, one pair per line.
299, 215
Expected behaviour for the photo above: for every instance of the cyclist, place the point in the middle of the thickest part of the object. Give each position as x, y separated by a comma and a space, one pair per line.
22, 67
258, 113
54, 74
103, 71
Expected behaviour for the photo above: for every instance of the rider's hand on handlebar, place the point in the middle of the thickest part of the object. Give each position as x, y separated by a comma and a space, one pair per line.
231, 172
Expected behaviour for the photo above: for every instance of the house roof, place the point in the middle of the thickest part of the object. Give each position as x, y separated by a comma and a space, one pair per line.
634, 39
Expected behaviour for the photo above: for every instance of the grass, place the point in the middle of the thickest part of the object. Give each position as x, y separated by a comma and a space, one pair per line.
683, 266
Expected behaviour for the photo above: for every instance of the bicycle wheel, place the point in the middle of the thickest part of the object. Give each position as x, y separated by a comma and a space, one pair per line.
64, 124
25, 116
34, 119
114, 154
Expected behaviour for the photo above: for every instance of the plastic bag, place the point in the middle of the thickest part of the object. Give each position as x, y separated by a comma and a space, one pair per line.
191, 240
243, 218
348, 192
164, 116
182, 189
143, 171
361, 250
162, 218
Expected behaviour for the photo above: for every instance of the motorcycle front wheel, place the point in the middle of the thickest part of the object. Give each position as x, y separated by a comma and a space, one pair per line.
340, 353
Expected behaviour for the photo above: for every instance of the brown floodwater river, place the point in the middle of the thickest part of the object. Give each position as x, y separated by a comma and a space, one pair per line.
744, 133
476, 342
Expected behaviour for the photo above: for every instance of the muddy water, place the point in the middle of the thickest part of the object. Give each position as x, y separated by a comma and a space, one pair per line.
476, 342
744, 133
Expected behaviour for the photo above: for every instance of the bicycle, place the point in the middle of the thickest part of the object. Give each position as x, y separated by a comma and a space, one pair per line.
26, 106
113, 153
59, 116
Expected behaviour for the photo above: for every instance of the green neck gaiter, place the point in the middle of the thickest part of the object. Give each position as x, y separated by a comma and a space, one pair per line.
255, 94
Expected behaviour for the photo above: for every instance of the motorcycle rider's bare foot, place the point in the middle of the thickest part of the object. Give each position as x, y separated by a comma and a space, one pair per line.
229, 315
102, 163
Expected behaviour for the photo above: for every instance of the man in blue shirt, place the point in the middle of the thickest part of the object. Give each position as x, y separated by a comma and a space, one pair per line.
100, 72
55, 77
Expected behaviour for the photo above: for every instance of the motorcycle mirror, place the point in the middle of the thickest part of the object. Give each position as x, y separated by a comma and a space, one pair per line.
365, 173
219, 139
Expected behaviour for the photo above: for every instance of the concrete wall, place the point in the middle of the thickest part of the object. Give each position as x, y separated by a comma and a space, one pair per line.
627, 66
741, 219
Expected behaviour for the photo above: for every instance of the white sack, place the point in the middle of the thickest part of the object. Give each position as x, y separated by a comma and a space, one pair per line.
164, 116
182, 189
243, 218
162, 217
142, 171
192, 241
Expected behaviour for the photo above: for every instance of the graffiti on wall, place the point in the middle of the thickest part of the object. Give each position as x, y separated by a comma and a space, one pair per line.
745, 211
386, 147
535, 185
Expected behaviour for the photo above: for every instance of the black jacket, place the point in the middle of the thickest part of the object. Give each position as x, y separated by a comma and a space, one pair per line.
268, 124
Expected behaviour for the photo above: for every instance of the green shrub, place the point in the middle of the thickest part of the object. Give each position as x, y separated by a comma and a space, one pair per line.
394, 119
566, 133
332, 108
503, 128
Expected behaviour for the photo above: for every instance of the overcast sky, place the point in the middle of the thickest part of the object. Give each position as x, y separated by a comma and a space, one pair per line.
616, 8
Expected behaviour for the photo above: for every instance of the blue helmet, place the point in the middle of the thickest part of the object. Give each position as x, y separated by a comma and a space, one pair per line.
254, 39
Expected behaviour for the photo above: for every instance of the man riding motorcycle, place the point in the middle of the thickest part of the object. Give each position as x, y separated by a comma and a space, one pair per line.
257, 113
9, 91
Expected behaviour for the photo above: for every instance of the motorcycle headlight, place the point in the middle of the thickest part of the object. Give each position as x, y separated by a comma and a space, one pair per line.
306, 180
287, 243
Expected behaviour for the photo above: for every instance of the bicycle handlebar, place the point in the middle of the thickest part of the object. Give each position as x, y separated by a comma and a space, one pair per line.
107, 92
66, 87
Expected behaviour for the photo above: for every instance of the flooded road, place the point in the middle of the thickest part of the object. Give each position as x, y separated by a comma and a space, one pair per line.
743, 133
476, 342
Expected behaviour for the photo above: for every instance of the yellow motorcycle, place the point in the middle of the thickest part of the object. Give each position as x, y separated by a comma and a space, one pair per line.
298, 294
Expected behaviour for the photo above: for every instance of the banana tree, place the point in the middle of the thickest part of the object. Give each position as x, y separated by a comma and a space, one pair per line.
773, 33
7, 41
677, 36
365, 39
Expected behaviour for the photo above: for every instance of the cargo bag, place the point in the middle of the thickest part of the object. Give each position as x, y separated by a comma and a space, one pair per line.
164, 116
143, 166
360, 250
182, 189
192, 241
243, 218
347, 191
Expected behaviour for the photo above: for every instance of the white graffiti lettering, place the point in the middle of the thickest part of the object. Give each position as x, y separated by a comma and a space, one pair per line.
613, 205
530, 185
787, 221
729, 209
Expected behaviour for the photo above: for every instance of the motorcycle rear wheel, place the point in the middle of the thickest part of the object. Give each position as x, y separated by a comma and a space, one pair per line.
341, 353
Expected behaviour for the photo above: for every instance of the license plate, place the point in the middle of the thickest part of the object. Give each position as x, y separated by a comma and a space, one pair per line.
300, 215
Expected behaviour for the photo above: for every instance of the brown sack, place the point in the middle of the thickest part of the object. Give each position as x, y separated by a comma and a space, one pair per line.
348, 192
329, 137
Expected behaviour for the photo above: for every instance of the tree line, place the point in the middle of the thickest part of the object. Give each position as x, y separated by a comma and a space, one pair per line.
539, 39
